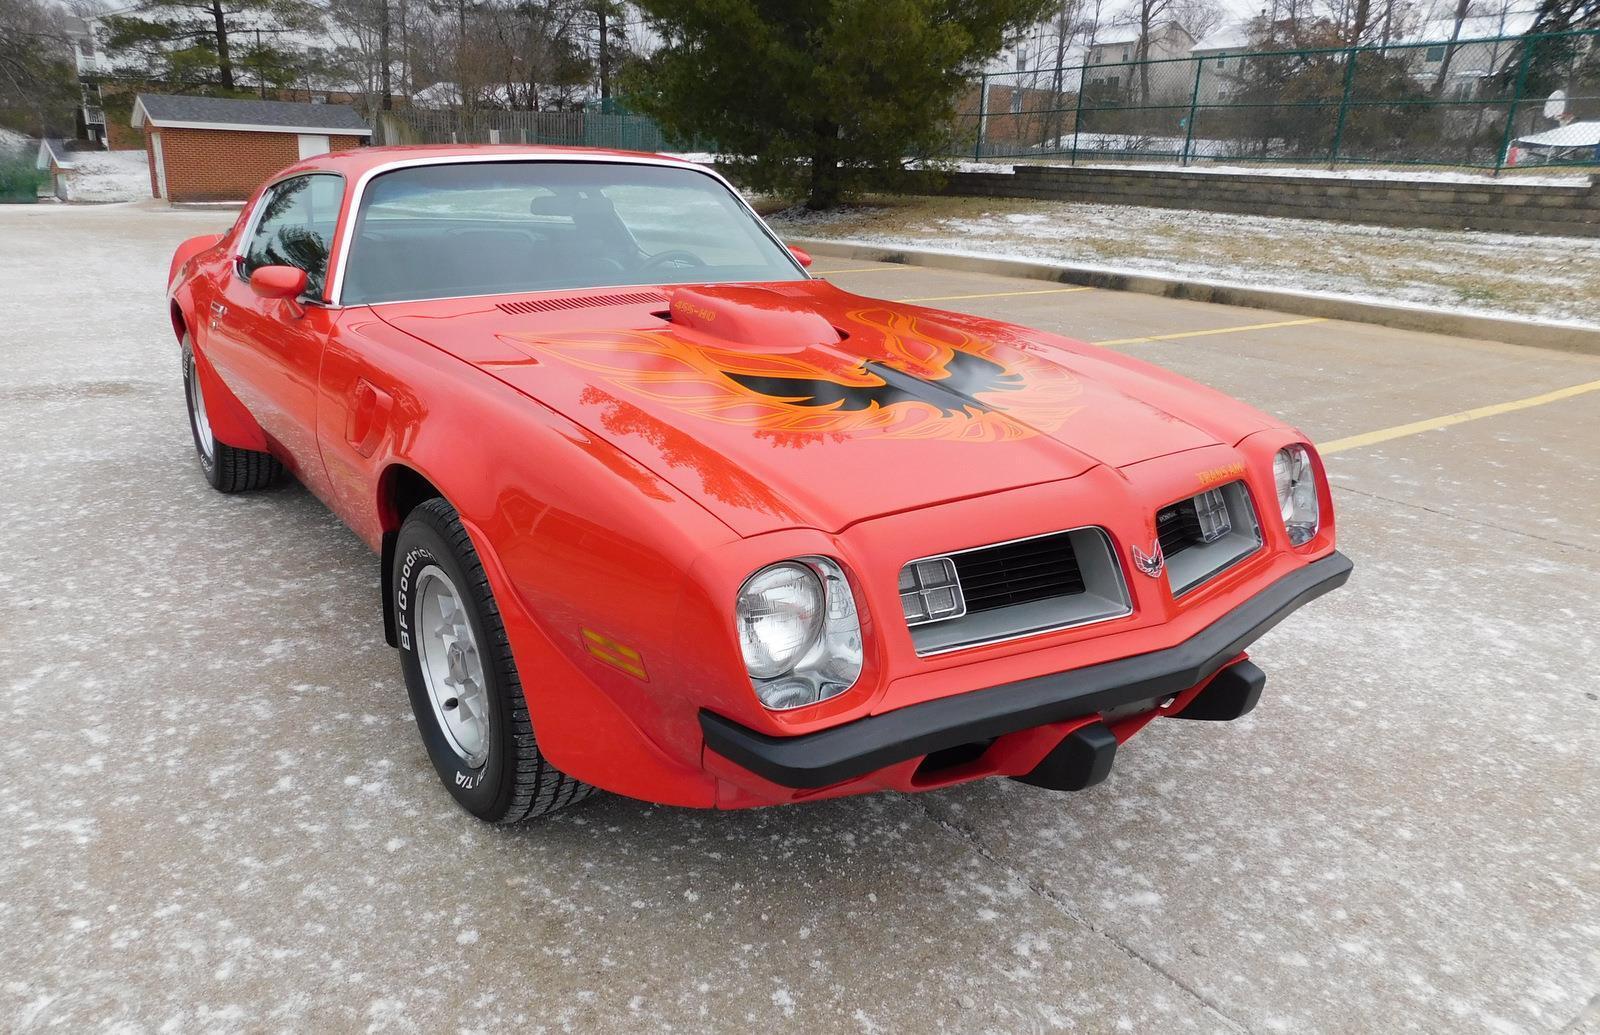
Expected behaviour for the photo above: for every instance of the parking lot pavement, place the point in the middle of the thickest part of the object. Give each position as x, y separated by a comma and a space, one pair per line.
218, 815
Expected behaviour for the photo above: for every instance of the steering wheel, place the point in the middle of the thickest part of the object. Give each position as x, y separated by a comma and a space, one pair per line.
675, 257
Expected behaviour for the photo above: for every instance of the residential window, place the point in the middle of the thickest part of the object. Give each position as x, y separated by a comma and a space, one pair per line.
1016, 102
1221, 62
1435, 54
1124, 53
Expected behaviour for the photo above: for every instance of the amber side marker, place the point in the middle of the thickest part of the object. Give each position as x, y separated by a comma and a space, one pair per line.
617, 655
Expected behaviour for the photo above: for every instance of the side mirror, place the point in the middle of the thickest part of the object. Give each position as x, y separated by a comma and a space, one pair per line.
801, 254
278, 281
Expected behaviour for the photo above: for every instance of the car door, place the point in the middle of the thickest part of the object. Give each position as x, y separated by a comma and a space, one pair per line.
268, 350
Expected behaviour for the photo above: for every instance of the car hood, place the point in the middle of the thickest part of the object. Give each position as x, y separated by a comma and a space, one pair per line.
797, 404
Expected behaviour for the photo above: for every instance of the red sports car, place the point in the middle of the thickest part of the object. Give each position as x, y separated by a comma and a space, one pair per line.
661, 514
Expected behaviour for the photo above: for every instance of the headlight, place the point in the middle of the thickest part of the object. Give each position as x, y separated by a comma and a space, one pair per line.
799, 632
1297, 493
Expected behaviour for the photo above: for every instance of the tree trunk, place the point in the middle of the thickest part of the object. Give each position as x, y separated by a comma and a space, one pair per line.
224, 60
1450, 49
386, 88
1358, 26
1141, 51
465, 96
825, 186
605, 57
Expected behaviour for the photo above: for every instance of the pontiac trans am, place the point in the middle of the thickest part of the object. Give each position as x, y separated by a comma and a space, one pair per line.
660, 513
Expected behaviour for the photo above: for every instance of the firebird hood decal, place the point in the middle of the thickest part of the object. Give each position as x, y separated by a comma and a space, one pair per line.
911, 379
798, 404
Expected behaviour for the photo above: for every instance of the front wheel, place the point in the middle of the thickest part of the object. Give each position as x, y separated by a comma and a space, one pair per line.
226, 469
465, 691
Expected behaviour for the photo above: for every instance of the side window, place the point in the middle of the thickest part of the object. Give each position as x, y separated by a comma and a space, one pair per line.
296, 226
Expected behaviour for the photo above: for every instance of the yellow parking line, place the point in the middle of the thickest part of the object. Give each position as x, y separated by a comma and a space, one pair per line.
1339, 445
1214, 330
996, 294
865, 269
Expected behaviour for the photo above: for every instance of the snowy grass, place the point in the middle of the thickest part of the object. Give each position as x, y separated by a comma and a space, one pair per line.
13, 143
1548, 178
1547, 278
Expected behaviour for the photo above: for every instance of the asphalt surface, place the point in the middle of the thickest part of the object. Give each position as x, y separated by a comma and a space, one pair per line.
217, 815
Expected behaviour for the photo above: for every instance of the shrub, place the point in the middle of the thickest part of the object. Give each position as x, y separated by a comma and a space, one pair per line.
19, 180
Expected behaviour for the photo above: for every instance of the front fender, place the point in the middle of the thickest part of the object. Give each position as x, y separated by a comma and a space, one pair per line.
188, 250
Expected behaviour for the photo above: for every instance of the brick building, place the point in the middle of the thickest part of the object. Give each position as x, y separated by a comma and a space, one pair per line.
218, 149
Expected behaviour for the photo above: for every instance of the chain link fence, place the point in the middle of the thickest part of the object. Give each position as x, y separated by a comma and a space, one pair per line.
1482, 103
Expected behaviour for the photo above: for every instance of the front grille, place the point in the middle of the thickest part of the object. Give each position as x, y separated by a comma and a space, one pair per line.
1023, 587
1020, 572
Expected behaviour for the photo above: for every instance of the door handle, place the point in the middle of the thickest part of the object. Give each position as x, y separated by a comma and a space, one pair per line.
218, 311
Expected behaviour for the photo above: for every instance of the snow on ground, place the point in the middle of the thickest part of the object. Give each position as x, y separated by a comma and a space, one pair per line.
1547, 278
1575, 178
218, 817
13, 143
109, 176
1552, 178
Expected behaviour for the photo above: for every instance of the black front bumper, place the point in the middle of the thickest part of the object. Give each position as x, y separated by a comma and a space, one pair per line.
856, 748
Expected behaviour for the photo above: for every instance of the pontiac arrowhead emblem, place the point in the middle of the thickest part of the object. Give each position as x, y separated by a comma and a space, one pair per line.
1150, 563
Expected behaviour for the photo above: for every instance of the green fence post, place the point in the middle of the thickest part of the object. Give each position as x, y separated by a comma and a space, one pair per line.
1344, 107
983, 113
1516, 98
1194, 102
1077, 112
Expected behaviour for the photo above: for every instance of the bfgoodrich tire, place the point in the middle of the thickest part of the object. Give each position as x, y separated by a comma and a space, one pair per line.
463, 683
226, 469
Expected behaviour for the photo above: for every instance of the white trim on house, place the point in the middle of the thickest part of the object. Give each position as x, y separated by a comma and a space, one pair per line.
47, 155
243, 128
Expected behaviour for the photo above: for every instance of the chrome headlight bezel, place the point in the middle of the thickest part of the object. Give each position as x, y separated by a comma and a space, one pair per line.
827, 656
1294, 476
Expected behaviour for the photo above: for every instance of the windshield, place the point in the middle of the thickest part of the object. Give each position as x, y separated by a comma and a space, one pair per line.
479, 228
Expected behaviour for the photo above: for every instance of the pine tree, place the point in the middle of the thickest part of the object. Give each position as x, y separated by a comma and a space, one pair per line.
822, 96
198, 42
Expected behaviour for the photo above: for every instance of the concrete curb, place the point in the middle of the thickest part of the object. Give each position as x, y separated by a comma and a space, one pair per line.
1298, 303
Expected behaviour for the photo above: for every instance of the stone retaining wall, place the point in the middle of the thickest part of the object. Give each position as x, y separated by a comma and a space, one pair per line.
1500, 205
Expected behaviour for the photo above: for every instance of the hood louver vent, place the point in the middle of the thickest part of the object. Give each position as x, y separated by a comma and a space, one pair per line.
552, 305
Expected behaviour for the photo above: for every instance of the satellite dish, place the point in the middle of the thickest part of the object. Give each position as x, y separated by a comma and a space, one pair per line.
1556, 106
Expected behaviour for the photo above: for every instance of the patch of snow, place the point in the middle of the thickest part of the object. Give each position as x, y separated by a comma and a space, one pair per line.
1240, 278
103, 176
1484, 274
1574, 179
698, 157
13, 143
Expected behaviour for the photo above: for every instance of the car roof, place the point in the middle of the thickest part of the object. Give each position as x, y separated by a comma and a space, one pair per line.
355, 162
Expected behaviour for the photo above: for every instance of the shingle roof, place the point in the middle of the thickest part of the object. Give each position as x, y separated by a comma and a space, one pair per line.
165, 109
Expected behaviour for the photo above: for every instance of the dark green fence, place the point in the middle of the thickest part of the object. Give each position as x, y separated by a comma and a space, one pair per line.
1482, 103
627, 132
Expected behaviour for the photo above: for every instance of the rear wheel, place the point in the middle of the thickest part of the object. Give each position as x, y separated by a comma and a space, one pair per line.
226, 468
465, 690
